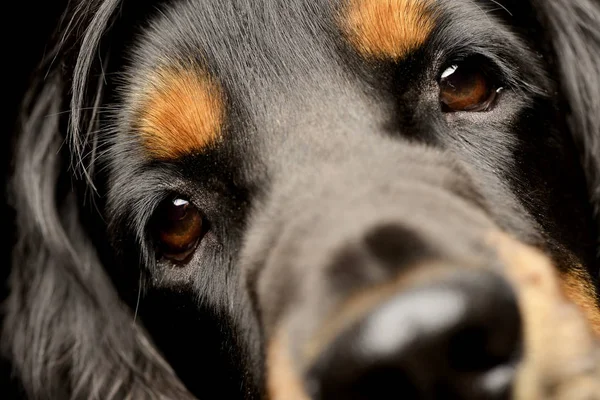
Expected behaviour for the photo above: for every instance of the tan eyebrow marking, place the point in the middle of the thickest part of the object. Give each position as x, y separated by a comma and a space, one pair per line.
182, 111
387, 29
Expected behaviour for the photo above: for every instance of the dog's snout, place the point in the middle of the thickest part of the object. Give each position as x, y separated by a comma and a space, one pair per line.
457, 338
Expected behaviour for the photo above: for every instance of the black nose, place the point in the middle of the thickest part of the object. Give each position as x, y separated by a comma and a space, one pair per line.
455, 339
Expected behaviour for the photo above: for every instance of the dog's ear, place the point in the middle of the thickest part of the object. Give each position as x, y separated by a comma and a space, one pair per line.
66, 332
573, 30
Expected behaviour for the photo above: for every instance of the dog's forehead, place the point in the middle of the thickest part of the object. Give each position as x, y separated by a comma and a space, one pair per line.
265, 37
206, 58
279, 29
198, 58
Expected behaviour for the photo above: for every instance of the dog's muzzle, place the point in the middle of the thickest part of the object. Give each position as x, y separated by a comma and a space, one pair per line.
409, 290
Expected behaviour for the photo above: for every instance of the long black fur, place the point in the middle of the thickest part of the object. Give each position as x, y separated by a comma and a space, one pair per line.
66, 332
573, 30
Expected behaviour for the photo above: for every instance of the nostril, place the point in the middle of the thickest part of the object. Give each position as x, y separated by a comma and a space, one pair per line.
383, 383
483, 359
472, 350
479, 365
467, 351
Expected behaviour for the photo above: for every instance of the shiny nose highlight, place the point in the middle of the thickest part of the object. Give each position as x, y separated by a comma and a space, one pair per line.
456, 338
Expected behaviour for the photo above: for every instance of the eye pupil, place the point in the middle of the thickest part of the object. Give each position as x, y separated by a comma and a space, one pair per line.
465, 87
178, 227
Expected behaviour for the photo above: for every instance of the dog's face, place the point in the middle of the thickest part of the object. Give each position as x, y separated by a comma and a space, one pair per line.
330, 177
360, 198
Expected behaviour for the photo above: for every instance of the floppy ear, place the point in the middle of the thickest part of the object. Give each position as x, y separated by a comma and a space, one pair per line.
66, 332
573, 27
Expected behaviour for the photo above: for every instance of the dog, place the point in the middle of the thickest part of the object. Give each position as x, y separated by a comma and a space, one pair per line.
325, 199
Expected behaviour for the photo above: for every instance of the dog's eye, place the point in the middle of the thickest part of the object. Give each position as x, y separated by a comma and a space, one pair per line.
465, 86
178, 227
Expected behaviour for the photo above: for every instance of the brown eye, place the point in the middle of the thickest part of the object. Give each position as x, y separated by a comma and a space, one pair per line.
465, 87
178, 227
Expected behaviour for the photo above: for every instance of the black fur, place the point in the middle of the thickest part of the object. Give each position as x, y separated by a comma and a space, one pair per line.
92, 313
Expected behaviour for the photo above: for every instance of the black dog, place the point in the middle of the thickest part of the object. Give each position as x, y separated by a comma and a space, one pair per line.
289, 199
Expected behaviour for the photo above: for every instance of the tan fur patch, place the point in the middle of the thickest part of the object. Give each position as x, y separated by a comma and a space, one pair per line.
182, 111
283, 382
577, 287
387, 29
562, 355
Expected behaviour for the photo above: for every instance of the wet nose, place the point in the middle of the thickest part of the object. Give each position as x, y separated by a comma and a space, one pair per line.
458, 338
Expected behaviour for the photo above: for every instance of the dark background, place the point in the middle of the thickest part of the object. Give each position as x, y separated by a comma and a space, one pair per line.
28, 25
